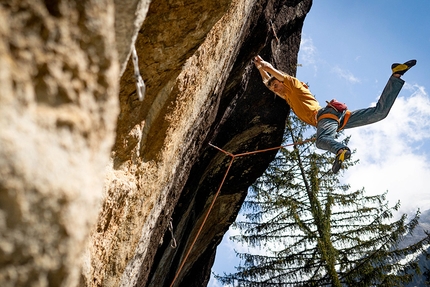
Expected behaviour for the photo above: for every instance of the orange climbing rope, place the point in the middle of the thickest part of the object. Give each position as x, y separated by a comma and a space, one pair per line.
233, 157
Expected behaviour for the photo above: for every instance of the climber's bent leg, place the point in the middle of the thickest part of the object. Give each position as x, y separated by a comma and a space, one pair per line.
326, 131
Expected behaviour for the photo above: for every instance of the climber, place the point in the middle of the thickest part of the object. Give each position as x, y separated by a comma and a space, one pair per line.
335, 116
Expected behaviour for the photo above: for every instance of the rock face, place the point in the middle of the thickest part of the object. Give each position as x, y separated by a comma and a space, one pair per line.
58, 109
91, 177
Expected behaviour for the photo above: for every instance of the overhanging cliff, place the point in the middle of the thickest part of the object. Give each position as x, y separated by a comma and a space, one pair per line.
198, 93
195, 59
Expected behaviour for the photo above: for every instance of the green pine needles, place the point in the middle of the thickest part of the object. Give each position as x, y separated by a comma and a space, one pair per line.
308, 229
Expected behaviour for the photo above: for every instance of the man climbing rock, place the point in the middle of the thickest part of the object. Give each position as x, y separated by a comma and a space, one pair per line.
335, 115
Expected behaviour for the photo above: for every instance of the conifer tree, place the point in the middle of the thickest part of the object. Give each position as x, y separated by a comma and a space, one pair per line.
308, 229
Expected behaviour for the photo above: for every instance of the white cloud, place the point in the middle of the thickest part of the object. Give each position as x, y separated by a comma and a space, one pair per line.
393, 153
308, 53
345, 74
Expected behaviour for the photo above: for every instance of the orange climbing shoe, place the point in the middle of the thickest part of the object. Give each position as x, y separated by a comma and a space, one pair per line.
341, 156
402, 68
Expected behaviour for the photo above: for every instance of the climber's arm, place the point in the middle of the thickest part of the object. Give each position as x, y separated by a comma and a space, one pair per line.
258, 61
266, 69
264, 75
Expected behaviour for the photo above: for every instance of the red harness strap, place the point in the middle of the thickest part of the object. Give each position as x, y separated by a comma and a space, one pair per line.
333, 117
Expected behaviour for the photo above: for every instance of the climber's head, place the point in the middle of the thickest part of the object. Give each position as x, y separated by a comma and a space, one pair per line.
275, 86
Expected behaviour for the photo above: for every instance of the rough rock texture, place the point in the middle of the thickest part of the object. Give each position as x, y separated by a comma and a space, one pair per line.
249, 118
58, 109
67, 185
129, 16
163, 166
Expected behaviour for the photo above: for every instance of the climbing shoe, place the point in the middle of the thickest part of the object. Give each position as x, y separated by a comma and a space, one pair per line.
341, 156
402, 68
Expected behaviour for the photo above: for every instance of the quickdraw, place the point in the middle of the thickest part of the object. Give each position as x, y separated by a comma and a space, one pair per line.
140, 84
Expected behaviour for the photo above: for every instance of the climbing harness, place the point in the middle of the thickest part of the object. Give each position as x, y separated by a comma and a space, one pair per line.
173, 244
140, 85
338, 107
341, 121
233, 157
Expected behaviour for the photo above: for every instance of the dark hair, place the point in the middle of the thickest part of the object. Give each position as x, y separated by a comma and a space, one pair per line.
270, 80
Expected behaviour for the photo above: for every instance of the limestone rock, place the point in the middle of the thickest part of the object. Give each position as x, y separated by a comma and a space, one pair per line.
58, 109
163, 166
90, 177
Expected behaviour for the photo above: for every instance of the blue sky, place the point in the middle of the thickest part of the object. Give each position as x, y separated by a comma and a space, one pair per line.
346, 53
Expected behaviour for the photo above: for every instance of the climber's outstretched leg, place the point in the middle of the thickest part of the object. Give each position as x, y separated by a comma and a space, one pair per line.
389, 94
326, 128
